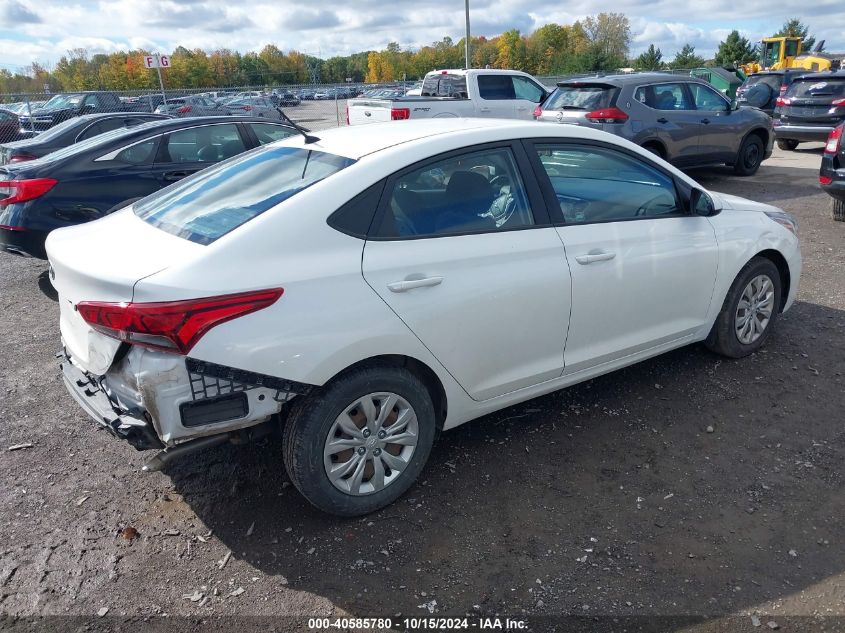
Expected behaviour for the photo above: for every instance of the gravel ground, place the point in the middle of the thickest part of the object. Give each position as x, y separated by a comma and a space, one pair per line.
685, 485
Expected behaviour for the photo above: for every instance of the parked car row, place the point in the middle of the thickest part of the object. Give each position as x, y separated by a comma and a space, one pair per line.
488, 262
88, 178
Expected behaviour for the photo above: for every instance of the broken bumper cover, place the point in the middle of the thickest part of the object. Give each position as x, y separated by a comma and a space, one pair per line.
156, 400
123, 424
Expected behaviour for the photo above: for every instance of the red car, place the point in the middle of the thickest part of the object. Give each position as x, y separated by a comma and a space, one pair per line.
10, 126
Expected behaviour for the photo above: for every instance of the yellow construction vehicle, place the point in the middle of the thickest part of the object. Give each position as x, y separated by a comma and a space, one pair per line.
778, 53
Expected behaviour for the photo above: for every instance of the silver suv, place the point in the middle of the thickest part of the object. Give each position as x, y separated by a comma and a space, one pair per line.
681, 119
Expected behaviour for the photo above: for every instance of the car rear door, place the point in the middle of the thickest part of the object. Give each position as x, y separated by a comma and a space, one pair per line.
643, 268
185, 152
671, 118
463, 252
496, 96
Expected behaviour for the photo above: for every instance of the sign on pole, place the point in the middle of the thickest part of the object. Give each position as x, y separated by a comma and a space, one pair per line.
158, 62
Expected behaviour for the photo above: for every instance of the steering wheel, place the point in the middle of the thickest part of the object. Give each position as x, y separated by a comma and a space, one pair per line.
500, 181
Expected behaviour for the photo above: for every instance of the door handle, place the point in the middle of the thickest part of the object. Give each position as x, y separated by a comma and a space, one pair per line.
175, 175
410, 284
662, 120
705, 121
484, 109
589, 258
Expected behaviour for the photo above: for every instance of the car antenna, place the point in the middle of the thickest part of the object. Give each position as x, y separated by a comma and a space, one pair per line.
303, 131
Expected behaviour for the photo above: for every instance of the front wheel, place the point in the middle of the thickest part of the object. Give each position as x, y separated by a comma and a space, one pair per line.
749, 311
749, 157
360, 442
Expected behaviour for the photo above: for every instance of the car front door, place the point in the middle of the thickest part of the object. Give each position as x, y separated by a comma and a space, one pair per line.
528, 96
185, 152
670, 118
721, 126
463, 252
643, 268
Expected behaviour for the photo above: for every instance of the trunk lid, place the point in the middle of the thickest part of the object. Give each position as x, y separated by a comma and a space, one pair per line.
102, 261
819, 102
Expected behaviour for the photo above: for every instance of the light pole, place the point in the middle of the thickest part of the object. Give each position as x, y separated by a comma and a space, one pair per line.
466, 39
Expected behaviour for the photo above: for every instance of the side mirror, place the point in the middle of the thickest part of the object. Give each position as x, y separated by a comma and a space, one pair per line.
701, 203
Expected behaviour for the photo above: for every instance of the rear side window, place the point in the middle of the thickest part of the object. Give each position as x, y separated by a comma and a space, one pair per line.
267, 132
207, 144
495, 87
809, 88
215, 201
138, 154
445, 85
581, 97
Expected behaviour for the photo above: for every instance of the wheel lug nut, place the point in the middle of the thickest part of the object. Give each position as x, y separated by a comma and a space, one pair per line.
377, 452
381, 435
361, 450
366, 432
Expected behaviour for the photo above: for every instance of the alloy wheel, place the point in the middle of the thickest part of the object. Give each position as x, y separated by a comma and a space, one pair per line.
754, 310
370, 443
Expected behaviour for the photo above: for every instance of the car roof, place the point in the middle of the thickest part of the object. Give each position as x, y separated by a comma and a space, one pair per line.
624, 79
358, 141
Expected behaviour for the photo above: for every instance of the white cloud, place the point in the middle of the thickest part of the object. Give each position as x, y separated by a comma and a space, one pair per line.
357, 25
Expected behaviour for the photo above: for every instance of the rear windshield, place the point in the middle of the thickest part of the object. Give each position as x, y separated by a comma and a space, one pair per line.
818, 88
219, 199
580, 97
445, 85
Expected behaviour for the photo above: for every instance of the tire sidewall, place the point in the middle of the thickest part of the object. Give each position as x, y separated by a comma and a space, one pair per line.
740, 166
309, 426
727, 331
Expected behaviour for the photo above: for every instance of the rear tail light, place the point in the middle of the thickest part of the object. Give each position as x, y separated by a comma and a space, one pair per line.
538, 111
825, 180
12, 191
838, 102
782, 101
184, 109
19, 158
834, 140
783, 90
173, 326
607, 115
400, 114
246, 107
347, 115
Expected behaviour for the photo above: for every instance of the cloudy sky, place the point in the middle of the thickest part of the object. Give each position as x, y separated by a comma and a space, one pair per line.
42, 30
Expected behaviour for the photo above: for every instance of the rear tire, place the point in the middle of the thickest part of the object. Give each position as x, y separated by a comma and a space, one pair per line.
787, 144
327, 417
749, 311
749, 157
837, 210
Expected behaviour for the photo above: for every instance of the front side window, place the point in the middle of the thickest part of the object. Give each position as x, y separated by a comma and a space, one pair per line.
595, 184
528, 90
206, 144
217, 200
706, 98
477, 192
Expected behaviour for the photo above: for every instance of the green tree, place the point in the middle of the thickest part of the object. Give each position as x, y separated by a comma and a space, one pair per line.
651, 59
735, 50
686, 58
609, 35
793, 27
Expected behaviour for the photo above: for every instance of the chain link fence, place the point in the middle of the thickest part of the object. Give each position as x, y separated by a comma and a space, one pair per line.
313, 106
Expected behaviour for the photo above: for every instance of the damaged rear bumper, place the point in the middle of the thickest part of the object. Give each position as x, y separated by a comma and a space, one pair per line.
160, 400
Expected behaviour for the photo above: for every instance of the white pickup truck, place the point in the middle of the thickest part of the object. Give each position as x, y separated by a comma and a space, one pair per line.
501, 94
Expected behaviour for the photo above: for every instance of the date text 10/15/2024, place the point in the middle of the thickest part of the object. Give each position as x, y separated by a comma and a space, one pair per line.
418, 624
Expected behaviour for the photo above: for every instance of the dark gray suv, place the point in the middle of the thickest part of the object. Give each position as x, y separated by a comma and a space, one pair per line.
681, 119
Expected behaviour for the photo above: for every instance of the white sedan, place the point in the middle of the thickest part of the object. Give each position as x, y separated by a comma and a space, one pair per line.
378, 284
